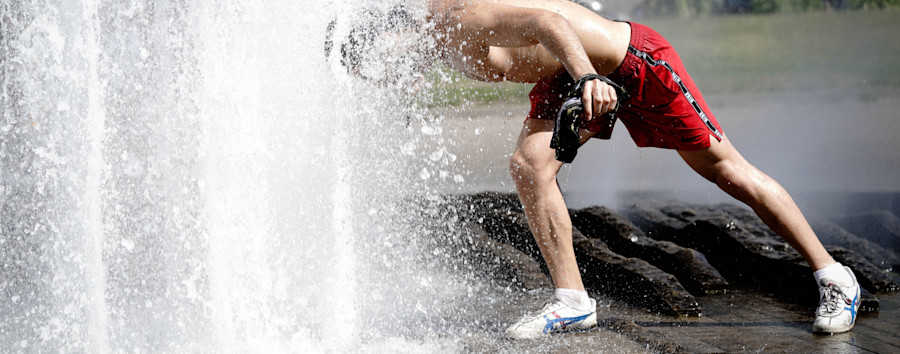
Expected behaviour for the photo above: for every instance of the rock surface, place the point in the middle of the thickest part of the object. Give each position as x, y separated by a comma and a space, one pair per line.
518, 265
631, 279
602, 269
736, 249
832, 234
868, 275
652, 253
879, 226
743, 249
687, 264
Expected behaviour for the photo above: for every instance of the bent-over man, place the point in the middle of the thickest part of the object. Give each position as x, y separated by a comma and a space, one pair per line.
557, 43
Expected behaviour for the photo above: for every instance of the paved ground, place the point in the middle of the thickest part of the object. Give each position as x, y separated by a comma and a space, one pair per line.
740, 321
744, 320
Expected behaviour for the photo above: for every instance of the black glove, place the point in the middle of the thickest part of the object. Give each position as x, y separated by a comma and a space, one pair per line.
568, 120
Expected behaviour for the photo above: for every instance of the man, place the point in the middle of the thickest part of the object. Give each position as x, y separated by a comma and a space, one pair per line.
554, 43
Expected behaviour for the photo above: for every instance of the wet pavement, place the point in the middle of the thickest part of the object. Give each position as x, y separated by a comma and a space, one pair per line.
745, 320
742, 320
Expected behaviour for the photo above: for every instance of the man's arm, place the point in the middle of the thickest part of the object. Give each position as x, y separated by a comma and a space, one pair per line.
491, 24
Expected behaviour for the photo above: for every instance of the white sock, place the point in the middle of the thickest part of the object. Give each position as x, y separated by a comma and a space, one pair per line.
834, 273
579, 300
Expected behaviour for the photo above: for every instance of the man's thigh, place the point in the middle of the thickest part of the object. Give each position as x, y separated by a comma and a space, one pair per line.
720, 157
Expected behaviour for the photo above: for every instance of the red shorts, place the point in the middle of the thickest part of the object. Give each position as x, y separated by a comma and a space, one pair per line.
664, 109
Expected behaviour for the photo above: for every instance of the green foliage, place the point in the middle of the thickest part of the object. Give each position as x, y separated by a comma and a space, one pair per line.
872, 4
770, 6
450, 88
699, 8
681, 8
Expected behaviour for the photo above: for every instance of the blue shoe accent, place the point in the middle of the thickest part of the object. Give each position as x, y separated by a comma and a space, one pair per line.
853, 308
563, 322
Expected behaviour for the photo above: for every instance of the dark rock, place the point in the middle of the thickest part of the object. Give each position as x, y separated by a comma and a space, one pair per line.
735, 249
501, 216
461, 241
833, 235
521, 268
631, 279
868, 275
740, 246
879, 226
868, 303
733, 240
688, 265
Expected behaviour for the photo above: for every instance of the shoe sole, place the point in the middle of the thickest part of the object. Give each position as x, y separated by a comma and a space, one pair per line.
834, 332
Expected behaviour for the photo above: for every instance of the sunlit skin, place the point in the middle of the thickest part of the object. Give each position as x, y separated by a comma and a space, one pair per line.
525, 41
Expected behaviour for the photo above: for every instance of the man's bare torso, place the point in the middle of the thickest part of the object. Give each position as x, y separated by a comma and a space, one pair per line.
604, 41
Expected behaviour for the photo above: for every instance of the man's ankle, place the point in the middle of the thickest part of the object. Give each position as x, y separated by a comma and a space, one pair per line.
577, 299
834, 273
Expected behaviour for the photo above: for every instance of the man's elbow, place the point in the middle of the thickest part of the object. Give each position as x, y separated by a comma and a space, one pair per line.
547, 24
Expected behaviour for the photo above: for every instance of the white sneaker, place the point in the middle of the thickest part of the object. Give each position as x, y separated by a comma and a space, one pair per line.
554, 317
837, 306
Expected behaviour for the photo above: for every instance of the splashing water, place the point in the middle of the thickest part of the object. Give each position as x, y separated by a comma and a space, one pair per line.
197, 177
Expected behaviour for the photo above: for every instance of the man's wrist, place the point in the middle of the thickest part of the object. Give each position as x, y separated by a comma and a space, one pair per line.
582, 73
581, 81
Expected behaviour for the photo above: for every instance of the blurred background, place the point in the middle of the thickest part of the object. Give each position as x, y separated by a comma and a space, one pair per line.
805, 90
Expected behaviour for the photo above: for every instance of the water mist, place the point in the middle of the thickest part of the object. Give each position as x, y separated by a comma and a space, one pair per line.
199, 177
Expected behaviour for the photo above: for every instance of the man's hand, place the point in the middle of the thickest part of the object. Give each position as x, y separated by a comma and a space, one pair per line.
598, 98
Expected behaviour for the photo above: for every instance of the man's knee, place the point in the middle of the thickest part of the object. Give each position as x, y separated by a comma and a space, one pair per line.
740, 179
526, 170
520, 167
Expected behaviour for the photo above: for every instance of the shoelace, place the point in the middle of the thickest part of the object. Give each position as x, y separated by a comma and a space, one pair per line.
547, 306
539, 313
833, 299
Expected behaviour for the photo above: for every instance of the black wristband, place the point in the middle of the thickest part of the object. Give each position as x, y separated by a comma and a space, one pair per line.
579, 86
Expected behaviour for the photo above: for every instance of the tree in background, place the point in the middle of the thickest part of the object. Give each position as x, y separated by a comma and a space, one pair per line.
692, 8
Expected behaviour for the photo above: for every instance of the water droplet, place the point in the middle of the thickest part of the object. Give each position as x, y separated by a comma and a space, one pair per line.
128, 244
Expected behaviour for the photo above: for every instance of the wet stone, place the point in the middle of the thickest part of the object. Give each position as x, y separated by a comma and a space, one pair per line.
736, 250
744, 249
500, 215
687, 264
514, 264
879, 226
770, 301
631, 279
652, 253
868, 303
832, 234
869, 276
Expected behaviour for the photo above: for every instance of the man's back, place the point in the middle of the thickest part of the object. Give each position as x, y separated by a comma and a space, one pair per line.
605, 41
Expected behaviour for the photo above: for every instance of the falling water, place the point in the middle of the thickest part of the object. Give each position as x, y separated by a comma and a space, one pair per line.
180, 176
